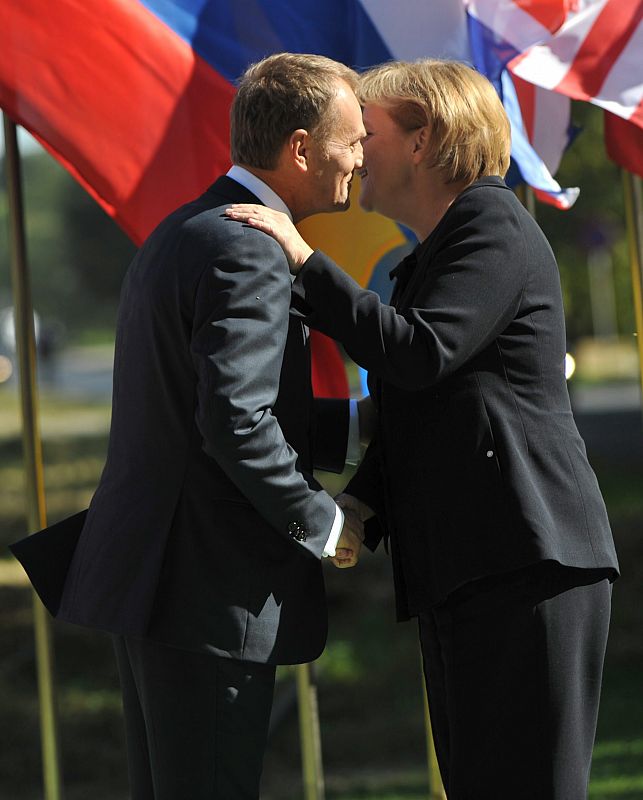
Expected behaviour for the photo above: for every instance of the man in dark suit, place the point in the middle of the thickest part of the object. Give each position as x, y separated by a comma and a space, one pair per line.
201, 551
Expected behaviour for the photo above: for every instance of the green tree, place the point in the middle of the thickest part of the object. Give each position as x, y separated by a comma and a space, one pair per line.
77, 255
599, 211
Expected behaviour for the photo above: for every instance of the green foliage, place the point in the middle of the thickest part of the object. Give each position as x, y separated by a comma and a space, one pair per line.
77, 255
599, 211
340, 663
618, 755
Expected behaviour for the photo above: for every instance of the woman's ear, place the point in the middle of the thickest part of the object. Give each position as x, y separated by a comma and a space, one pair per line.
298, 147
420, 143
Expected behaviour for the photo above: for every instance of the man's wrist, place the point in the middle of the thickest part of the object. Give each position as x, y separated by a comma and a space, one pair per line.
335, 533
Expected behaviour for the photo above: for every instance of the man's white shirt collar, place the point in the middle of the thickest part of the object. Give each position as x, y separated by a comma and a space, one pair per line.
255, 185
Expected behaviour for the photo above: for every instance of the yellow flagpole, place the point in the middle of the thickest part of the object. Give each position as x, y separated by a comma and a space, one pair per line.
309, 733
436, 788
32, 449
634, 223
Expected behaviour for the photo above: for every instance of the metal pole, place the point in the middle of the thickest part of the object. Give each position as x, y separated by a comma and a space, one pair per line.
32, 448
436, 788
309, 734
527, 197
634, 223
602, 294
530, 201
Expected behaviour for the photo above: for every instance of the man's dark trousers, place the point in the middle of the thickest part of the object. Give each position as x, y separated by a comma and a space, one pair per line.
207, 528
513, 665
176, 751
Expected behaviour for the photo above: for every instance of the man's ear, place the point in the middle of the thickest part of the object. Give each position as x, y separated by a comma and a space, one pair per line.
298, 147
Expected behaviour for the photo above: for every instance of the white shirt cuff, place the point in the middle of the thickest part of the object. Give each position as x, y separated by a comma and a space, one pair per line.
335, 533
353, 449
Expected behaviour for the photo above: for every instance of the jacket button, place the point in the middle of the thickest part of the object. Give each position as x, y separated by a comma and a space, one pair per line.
297, 531
489, 453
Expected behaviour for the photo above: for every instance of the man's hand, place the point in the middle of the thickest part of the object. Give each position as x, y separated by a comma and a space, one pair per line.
350, 541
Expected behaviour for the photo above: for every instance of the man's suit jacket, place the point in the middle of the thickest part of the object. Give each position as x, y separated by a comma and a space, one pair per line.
477, 467
207, 528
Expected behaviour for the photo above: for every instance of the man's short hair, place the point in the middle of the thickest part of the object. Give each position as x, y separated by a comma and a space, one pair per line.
470, 135
277, 96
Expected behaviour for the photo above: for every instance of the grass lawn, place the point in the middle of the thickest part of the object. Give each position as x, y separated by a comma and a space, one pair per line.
369, 677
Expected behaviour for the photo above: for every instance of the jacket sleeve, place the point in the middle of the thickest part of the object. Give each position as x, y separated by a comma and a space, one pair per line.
238, 339
330, 434
464, 298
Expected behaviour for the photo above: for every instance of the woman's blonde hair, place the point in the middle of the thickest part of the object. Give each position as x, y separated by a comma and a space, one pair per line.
469, 129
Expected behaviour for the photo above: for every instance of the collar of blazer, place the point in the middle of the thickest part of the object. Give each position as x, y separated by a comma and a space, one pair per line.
226, 190
423, 248
404, 271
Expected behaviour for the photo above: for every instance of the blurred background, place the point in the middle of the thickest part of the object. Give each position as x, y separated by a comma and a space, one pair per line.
370, 693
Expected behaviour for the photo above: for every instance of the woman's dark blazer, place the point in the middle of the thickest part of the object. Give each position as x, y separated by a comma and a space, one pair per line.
207, 528
477, 467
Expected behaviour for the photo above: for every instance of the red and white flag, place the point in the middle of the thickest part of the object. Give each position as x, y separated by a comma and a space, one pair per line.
596, 57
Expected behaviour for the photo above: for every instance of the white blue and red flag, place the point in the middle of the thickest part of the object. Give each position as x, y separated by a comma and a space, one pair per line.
132, 96
500, 31
597, 56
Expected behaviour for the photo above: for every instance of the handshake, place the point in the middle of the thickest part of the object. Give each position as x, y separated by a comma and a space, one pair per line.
350, 541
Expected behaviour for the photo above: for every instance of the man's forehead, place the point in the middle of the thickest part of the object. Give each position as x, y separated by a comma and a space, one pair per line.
344, 95
348, 113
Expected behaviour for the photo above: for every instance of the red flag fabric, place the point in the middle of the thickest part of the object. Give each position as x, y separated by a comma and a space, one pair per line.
596, 57
130, 109
624, 143
328, 372
119, 99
